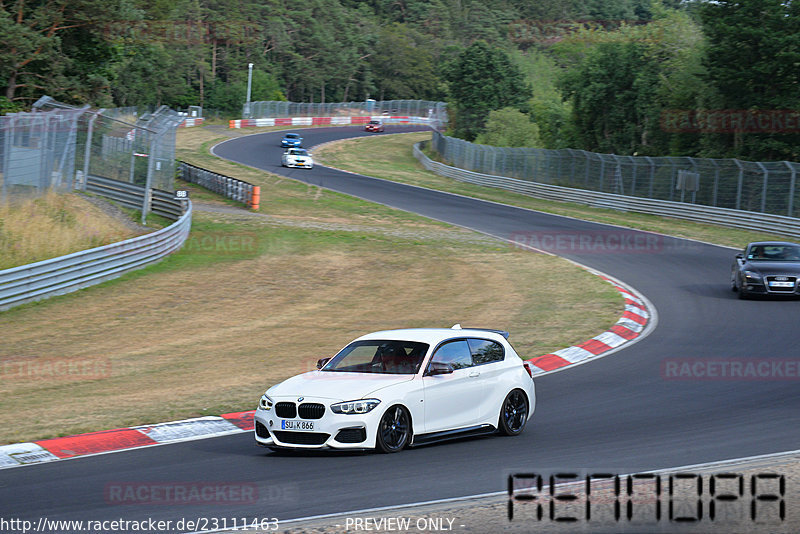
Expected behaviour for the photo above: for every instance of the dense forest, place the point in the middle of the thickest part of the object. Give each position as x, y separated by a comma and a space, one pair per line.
632, 77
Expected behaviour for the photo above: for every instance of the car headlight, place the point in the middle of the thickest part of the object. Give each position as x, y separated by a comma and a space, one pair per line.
355, 407
265, 403
752, 275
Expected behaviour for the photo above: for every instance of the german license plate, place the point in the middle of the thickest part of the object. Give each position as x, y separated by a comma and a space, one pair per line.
297, 425
781, 284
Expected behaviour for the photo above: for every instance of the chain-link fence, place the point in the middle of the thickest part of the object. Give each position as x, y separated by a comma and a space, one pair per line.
435, 111
38, 150
765, 187
58, 146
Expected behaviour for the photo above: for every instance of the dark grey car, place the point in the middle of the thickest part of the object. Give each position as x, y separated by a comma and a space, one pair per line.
767, 268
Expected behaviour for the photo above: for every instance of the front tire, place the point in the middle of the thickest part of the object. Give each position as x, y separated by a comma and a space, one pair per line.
743, 294
394, 430
513, 413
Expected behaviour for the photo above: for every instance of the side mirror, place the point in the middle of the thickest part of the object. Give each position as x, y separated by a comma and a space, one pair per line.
439, 368
321, 362
740, 256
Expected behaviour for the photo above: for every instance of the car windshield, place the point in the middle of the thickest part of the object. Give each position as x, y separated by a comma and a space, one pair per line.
291, 136
774, 253
298, 152
379, 356
374, 122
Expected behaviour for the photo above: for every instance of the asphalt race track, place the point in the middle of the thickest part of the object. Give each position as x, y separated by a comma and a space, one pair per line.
621, 413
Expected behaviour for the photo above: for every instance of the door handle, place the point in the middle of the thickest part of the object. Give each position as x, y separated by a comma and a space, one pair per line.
474, 374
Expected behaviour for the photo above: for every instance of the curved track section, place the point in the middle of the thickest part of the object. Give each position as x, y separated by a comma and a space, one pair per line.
624, 412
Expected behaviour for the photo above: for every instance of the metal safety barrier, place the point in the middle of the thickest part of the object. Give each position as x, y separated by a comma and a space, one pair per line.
760, 186
75, 271
433, 112
748, 220
132, 196
226, 186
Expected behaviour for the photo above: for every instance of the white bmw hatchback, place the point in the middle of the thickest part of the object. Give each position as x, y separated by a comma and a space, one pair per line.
397, 388
297, 157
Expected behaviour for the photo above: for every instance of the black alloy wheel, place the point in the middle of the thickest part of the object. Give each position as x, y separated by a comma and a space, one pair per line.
394, 430
514, 413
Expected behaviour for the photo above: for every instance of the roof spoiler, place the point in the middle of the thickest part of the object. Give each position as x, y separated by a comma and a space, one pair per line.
501, 332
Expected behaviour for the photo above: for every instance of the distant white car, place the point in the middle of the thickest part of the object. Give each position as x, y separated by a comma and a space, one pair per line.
297, 157
397, 388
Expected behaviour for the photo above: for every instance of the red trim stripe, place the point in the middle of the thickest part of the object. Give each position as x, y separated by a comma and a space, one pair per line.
621, 331
625, 292
548, 362
630, 302
244, 420
94, 442
635, 317
594, 346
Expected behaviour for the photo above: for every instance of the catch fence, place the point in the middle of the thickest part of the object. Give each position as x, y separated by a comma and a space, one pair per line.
763, 187
57, 146
434, 112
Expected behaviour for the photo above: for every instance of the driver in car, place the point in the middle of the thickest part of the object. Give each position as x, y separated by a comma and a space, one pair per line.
394, 360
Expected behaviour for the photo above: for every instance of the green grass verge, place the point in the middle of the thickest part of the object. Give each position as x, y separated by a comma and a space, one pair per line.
391, 158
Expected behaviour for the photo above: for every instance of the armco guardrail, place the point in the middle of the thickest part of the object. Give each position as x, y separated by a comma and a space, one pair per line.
416, 108
226, 186
82, 269
132, 196
760, 186
329, 121
749, 220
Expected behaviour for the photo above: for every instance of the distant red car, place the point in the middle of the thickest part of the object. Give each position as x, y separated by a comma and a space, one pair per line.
374, 126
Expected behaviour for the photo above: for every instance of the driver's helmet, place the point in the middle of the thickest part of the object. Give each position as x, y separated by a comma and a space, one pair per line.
393, 356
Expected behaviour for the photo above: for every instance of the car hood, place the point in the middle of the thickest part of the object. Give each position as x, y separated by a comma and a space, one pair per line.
334, 385
774, 267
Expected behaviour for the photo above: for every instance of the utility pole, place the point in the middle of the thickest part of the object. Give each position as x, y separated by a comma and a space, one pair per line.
249, 87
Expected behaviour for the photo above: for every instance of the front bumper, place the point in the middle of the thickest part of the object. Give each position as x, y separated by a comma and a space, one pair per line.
331, 431
300, 164
759, 287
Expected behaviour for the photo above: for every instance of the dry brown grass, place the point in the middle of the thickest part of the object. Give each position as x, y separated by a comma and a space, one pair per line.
52, 225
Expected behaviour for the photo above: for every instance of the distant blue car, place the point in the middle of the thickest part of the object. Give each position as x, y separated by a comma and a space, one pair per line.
291, 140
